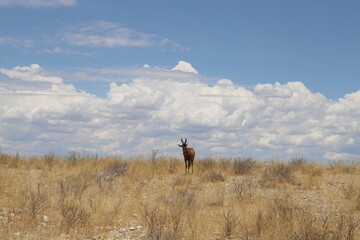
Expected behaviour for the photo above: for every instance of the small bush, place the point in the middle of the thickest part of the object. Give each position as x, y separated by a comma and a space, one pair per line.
207, 164
244, 190
343, 167
173, 162
49, 159
298, 162
154, 160
357, 204
326, 226
216, 177
155, 222
349, 191
225, 163
74, 187
73, 158
33, 202
243, 166
74, 215
15, 160
230, 223
277, 172
4, 158
110, 172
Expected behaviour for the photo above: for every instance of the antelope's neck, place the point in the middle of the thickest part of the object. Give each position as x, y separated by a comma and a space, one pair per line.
184, 151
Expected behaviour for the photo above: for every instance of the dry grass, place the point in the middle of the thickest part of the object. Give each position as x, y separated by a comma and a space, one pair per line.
92, 197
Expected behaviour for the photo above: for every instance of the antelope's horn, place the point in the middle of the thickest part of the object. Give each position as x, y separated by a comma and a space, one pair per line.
185, 140
182, 140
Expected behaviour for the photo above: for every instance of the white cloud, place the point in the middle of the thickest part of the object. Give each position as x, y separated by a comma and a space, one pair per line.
184, 67
33, 73
37, 3
111, 34
67, 51
151, 112
107, 34
16, 42
125, 73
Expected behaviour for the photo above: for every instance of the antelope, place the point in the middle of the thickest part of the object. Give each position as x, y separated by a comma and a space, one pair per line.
189, 155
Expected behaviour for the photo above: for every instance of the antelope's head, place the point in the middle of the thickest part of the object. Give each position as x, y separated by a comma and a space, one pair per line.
184, 144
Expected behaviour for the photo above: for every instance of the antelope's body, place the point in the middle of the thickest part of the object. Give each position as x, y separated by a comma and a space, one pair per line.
189, 156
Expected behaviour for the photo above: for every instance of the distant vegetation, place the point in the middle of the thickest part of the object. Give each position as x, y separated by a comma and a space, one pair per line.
93, 197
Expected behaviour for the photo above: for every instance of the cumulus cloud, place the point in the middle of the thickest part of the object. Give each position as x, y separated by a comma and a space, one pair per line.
184, 67
148, 112
125, 73
37, 3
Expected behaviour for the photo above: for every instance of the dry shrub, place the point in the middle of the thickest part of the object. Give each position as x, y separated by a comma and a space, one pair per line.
328, 225
37, 162
181, 181
110, 172
71, 204
277, 172
357, 203
14, 161
298, 163
173, 163
167, 219
244, 190
155, 222
243, 166
229, 224
73, 215
217, 198
4, 158
215, 177
74, 186
73, 158
186, 198
343, 167
225, 163
310, 175
349, 191
154, 160
34, 201
49, 159
302, 223
207, 164
284, 209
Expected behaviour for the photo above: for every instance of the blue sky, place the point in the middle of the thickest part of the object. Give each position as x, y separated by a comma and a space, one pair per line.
250, 42
272, 49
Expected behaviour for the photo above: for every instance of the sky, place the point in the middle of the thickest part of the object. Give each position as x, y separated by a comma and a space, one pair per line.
266, 79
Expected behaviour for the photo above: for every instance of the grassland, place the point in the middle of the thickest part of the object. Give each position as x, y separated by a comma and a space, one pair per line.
92, 197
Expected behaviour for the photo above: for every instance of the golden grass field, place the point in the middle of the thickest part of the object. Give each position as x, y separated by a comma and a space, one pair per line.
91, 197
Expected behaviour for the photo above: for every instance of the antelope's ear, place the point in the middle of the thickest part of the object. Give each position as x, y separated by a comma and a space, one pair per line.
179, 145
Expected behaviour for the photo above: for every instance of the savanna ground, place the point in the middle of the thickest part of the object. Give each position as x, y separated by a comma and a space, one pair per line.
92, 197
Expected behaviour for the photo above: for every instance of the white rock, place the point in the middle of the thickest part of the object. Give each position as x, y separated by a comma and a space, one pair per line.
132, 228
